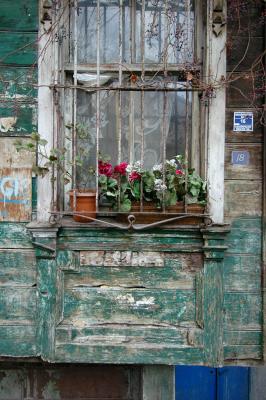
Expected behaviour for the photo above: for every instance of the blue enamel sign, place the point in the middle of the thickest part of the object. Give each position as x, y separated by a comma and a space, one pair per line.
243, 121
240, 157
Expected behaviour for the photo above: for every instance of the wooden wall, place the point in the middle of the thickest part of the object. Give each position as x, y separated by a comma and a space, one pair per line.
243, 188
243, 184
18, 117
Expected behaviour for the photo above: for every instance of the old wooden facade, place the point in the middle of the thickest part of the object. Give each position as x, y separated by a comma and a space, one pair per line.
77, 294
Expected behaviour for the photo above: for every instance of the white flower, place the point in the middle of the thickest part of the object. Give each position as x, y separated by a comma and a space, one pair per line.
159, 186
157, 167
129, 168
171, 162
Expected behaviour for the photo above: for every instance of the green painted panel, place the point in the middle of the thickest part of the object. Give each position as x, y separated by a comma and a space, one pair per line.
34, 193
242, 337
135, 355
250, 352
18, 81
14, 235
244, 240
135, 306
21, 16
111, 239
17, 304
131, 277
18, 341
18, 48
17, 268
25, 114
129, 336
243, 311
242, 273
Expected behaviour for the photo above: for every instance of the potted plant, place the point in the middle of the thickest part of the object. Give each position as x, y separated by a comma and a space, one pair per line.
82, 199
172, 187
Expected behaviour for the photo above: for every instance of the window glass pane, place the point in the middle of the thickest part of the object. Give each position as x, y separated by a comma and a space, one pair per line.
160, 124
109, 23
167, 34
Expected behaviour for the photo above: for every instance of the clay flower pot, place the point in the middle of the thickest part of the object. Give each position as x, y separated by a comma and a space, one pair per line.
85, 204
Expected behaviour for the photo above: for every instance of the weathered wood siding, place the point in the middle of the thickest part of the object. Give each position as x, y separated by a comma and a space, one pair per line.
107, 303
243, 319
18, 108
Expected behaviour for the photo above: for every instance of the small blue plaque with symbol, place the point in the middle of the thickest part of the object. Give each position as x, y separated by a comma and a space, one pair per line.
243, 121
240, 157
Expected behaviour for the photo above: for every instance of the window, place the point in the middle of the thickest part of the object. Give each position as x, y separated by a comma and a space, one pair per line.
127, 85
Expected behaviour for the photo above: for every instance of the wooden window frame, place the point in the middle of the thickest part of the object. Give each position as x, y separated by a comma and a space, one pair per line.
212, 131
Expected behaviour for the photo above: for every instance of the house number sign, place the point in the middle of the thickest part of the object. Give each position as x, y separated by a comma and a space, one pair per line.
243, 121
240, 157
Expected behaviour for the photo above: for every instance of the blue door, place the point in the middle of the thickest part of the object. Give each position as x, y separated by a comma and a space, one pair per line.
202, 383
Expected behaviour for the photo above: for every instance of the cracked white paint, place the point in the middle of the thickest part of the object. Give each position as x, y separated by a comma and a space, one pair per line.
7, 124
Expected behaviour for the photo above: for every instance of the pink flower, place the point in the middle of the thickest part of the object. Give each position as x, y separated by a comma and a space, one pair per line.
121, 168
179, 172
134, 176
105, 168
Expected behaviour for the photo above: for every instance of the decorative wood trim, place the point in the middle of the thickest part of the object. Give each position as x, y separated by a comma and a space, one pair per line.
215, 73
213, 294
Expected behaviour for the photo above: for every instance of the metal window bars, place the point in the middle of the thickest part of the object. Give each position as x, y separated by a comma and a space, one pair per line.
145, 60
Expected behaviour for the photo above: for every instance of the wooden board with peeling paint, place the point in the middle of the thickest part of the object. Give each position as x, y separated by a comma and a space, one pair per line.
15, 183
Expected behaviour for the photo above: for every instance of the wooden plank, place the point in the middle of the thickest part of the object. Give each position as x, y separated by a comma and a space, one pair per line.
240, 92
72, 352
107, 240
251, 171
130, 336
245, 237
242, 198
15, 183
18, 82
15, 194
86, 306
11, 158
17, 304
17, 268
22, 17
46, 307
158, 383
242, 311
18, 117
243, 51
243, 338
250, 352
243, 137
14, 236
245, 21
130, 277
177, 271
213, 307
18, 341
18, 48
242, 273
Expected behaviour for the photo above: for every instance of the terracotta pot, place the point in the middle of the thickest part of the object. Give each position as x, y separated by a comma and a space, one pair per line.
85, 204
152, 214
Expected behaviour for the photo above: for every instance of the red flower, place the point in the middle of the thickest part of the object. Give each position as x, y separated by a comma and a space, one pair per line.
121, 168
134, 176
179, 172
105, 168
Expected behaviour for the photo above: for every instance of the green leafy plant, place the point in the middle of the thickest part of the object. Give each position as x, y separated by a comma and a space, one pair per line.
54, 159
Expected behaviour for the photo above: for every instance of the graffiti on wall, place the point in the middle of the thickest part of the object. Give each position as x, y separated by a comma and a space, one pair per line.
15, 194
